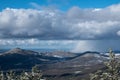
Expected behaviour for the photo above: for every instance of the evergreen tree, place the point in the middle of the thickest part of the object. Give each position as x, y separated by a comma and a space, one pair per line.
111, 73
2, 77
35, 74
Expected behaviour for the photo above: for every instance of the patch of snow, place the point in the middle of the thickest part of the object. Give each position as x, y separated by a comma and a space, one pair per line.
57, 56
77, 72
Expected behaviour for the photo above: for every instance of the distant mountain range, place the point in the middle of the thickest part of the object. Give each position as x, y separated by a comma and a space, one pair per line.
23, 59
56, 63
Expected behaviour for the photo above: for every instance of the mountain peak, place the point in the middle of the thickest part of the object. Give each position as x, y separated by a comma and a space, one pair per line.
20, 51
18, 48
15, 50
91, 54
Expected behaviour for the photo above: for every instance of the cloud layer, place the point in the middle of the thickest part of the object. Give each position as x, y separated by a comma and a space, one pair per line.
75, 46
38, 44
79, 30
48, 24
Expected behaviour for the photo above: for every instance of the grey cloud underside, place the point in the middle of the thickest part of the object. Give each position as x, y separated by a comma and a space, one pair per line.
46, 24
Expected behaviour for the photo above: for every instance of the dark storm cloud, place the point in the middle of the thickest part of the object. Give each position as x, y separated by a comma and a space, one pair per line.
47, 24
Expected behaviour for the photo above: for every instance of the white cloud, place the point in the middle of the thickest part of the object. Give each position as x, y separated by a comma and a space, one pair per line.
97, 9
53, 24
39, 44
71, 45
118, 33
5, 42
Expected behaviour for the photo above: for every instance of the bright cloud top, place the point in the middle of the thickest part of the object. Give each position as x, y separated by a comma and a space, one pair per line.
68, 45
48, 24
38, 44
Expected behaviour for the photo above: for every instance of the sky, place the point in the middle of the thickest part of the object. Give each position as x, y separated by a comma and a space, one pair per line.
74, 25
